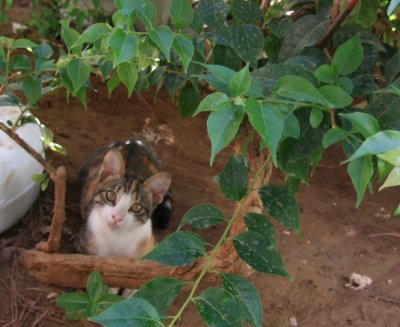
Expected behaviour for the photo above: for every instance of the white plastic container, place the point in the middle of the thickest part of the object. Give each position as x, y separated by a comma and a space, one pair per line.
17, 190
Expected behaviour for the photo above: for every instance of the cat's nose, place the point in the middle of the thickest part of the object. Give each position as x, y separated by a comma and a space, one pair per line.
117, 218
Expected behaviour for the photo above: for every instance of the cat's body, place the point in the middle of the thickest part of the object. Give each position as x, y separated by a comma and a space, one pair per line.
123, 194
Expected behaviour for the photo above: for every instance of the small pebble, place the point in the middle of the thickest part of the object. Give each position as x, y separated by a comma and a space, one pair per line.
293, 322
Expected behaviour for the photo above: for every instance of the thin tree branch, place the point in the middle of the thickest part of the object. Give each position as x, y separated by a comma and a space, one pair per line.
15, 137
328, 35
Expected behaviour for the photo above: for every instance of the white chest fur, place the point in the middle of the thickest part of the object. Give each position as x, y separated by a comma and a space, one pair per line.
121, 242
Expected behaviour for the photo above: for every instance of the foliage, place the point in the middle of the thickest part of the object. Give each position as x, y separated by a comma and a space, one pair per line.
294, 85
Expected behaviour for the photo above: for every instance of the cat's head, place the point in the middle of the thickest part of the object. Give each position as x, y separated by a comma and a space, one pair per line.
122, 202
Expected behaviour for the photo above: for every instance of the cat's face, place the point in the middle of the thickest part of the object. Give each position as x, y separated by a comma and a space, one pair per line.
123, 203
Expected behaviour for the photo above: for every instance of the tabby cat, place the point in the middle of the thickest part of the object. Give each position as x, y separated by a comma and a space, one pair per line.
124, 194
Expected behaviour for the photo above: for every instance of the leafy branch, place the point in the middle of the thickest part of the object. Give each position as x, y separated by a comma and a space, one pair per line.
212, 255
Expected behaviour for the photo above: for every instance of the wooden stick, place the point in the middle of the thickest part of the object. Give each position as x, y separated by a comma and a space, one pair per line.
59, 178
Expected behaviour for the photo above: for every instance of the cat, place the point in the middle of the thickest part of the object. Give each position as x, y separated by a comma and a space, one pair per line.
125, 193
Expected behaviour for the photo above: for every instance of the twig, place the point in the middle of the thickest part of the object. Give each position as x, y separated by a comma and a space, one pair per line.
265, 4
385, 234
59, 178
327, 36
15, 137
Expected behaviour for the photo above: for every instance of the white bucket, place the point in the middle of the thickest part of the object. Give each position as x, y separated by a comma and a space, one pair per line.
17, 190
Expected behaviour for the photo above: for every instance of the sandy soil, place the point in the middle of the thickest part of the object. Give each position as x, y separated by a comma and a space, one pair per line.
337, 239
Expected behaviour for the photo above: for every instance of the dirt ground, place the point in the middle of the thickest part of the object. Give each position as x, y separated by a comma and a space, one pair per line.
337, 239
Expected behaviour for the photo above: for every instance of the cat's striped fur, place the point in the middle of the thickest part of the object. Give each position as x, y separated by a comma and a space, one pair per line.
124, 194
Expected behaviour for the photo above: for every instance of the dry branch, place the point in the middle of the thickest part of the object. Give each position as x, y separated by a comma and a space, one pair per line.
59, 178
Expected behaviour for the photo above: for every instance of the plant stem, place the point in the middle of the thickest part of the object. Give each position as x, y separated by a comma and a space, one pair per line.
265, 4
327, 36
298, 104
222, 240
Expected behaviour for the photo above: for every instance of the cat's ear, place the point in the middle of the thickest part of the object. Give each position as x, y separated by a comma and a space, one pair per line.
113, 165
158, 185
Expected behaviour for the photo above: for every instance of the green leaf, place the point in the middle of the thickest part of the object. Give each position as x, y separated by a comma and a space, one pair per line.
131, 312
303, 33
376, 144
291, 126
173, 83
213, 12
333, 136
185, 50
316, 117
267, 120
124, 45
74, 304
96, 288
178, 249
248, 42
326, 74
267, 75
112, 83
240, 82
203, 216
226, 56
212, 102
218, 77
348, 56
336, 96
294, 154
393, 179
384, 168
299, 89
181, 13
222, 126
346, 84
246, 11
396, 212
218, 308
188, 101
69, 36
43, 51
360, 170
92, 33
259, 223
392, 156
386, 108
22, 63
392, 6
143, 9
23, 44
259, 253
363, 123
160, 293
247, 296
78, 72
163, 37
128, 75
32, 89
234, 179
365, 13
281, 205
392, 68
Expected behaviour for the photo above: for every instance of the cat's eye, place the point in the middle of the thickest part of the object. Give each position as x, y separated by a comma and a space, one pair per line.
110, 196
136, 207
